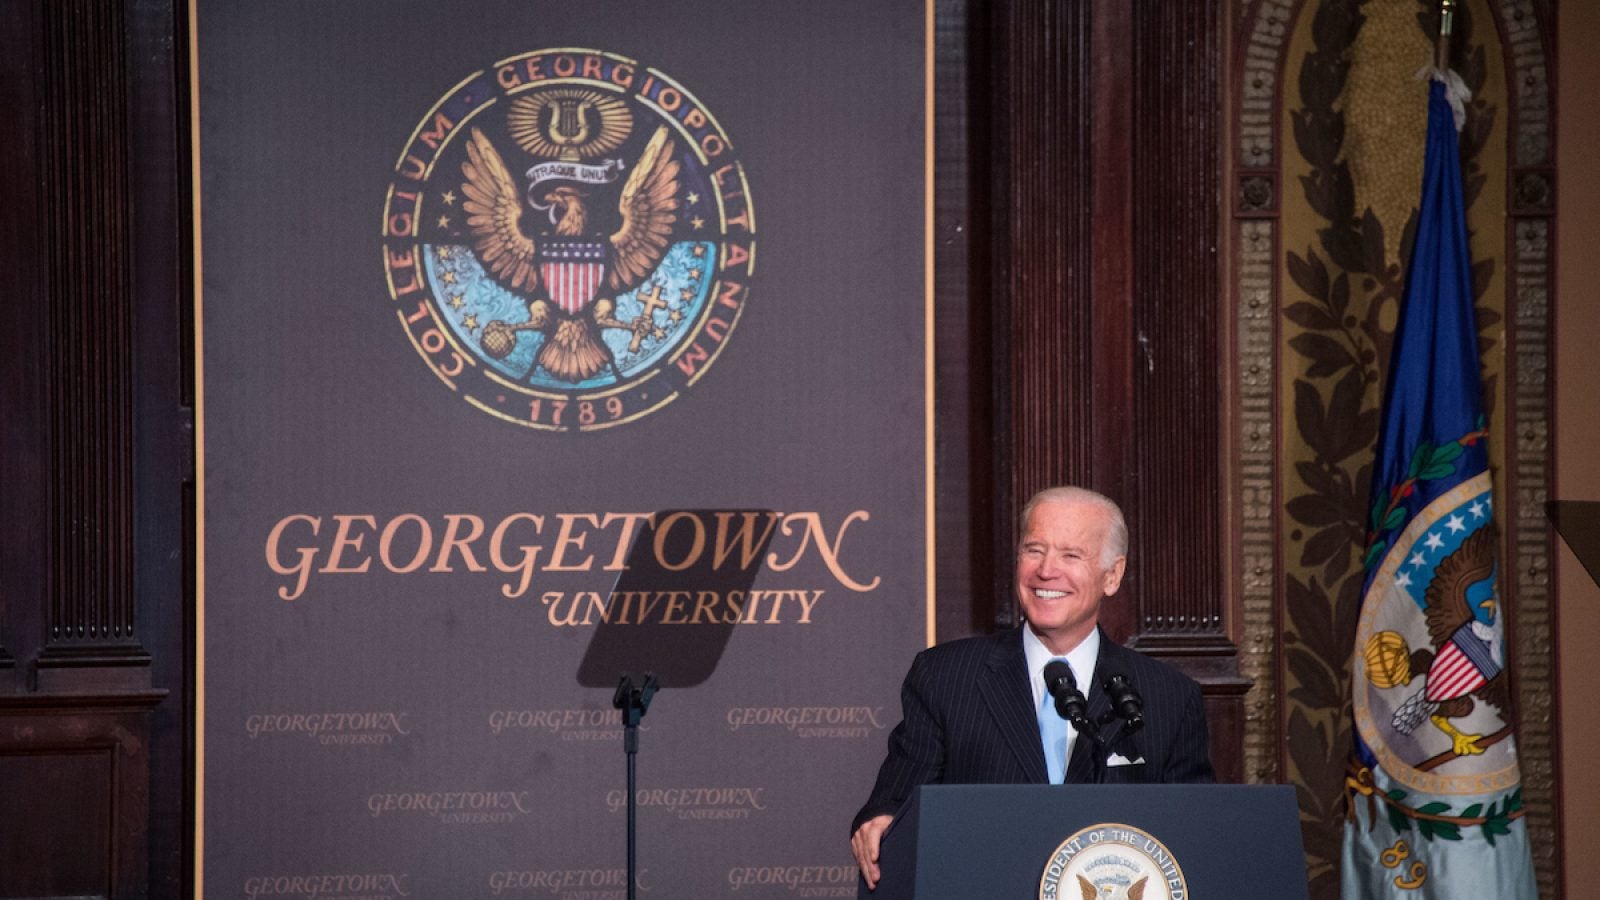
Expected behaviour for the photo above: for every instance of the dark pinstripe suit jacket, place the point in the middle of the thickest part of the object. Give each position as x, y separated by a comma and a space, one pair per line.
969, 719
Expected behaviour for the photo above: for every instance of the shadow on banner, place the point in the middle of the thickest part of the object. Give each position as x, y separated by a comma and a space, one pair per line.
669, 613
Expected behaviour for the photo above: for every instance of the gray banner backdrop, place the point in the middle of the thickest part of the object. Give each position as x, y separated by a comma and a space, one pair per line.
413, 517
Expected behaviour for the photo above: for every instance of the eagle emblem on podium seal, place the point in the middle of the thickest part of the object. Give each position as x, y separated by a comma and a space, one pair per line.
568, 239
1112, 861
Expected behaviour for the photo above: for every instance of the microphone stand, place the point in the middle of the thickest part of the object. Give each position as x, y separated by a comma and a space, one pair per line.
1072, 707
1126, 705
633, 701
1097, 773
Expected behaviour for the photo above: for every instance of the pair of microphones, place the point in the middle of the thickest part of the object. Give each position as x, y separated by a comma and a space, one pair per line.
1126, 704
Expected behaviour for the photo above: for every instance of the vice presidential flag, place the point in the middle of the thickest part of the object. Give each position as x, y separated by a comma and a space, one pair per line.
1434, 788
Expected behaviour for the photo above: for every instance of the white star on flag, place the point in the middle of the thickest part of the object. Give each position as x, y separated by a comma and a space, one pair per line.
1456, 523
1434, 542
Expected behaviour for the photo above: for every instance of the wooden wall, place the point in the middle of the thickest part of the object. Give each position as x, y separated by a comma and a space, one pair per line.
94, 454
1090, 343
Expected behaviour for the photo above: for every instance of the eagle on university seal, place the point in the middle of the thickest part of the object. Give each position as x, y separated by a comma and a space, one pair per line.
1466, 660
538, 238
568, 240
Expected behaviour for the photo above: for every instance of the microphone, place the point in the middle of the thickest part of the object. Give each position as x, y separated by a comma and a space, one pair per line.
1070, 702
1126, 704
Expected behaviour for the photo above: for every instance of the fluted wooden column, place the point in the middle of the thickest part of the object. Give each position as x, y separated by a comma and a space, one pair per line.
88, 350
76, 696
1105, 125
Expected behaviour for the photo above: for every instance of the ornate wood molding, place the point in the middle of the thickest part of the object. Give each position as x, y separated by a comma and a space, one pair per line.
1257, 74
75, 772
1522, 28
83, 157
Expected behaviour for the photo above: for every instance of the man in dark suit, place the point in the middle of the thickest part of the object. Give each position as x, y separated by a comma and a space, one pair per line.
977, 711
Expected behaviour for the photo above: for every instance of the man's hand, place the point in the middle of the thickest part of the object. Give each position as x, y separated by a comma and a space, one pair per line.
864, 844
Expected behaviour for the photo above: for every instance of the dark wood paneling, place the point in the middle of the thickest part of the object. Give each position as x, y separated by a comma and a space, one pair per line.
1225, 716
1173, 490
89, 351
22, 454
93, 451
59, 797
1111, 423
1104, 135
163, 543
74, 775
963, 480
1042, 228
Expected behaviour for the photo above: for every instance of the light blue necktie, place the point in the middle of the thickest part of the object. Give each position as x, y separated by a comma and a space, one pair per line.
1053, 734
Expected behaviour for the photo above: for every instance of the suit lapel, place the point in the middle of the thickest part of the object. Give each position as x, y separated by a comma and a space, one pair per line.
1003, 684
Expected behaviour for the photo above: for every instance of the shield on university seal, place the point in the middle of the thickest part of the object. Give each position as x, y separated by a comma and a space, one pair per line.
573, 271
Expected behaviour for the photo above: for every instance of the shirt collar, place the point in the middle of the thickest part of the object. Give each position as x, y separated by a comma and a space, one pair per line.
1081, 658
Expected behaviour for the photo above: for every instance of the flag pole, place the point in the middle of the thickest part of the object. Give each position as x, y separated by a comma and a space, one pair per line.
1447, 14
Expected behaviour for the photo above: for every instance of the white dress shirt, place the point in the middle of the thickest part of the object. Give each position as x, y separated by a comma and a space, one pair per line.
1080, 658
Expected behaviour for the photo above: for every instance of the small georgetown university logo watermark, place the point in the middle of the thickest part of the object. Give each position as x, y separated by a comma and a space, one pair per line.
329, 886
1111, 861
333, 729
809, 721
589, 884
695, 803
794, 880
453, 807
568, 239
567, 724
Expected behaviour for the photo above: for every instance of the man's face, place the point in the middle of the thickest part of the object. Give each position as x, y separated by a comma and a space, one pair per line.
1060, 574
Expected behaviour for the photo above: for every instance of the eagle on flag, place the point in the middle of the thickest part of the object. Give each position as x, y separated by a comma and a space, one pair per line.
1467, 660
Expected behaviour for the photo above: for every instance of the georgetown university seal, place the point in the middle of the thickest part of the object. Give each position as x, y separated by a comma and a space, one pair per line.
568, 239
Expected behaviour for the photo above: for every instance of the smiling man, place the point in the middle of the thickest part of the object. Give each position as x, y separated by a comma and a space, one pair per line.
977, 711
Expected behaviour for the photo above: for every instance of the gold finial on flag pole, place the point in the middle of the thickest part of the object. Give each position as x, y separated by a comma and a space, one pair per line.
1447, 13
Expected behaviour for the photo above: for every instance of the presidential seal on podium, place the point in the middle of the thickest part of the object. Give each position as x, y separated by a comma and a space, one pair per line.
1112, 861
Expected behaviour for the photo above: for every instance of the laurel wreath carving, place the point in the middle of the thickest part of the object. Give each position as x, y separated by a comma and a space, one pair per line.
1344, 283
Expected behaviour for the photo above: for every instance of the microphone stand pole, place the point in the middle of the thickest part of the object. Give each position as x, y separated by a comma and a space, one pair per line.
633, 701
1085, 729
1127, 706
1101, 750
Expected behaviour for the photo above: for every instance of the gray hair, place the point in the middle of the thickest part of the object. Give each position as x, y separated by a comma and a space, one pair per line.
1116, 535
